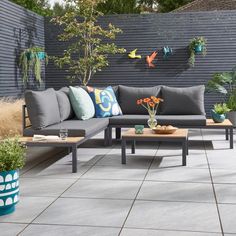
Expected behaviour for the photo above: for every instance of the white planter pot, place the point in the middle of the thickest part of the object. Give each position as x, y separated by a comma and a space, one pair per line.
232, 117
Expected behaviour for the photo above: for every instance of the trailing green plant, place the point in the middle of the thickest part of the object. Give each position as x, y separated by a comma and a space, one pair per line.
198, 41
30, 62
12, 154
224, 83
88, 51
221, 108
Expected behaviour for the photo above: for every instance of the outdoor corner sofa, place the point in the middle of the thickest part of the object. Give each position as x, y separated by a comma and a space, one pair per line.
50, 110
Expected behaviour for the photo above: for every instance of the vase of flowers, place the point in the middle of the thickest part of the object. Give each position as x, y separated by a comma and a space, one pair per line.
150, 104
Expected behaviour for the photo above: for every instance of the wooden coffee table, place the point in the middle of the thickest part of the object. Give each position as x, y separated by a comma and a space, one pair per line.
71, 142
181, 135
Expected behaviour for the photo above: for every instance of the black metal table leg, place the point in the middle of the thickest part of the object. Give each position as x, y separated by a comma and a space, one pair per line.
110, 136
74, 159
184, 152
118, 133
226, 134
133, 146
123, 151
231, 137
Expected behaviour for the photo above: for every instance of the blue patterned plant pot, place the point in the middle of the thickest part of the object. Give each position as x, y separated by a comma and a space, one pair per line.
9, 191
198, 48
41, 55
218, 118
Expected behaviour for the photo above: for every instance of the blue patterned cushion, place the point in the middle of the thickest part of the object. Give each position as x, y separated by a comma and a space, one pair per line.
105, 102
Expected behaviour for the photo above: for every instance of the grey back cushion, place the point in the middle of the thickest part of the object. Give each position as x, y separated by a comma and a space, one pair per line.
183, 101
128, 97
65, 108
42, 107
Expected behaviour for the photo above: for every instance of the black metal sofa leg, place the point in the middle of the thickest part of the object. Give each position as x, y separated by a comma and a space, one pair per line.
108, 136
118, 133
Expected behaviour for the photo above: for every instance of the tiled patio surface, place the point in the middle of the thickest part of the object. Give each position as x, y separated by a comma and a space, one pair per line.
151, 195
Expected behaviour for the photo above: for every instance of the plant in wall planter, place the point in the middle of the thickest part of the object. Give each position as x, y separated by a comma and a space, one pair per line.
197, 45
219, 112
225, 84
12, 158
30, 62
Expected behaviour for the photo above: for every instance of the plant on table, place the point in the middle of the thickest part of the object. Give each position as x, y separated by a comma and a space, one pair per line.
225, 84
30, 63
12, 158
197, 45
88, 51
219, 112
150, 104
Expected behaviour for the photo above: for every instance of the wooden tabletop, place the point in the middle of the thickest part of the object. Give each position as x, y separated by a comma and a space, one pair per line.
211, 123
68, 140
148, 133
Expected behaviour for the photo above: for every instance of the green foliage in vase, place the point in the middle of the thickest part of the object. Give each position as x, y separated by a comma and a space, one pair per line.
198, 41
224, 83
221, 108
88, 51
12, 154
30, 62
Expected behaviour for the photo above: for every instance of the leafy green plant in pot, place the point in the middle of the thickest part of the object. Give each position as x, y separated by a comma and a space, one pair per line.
197, 45
30, 62
12, 158
225, 84
219, 112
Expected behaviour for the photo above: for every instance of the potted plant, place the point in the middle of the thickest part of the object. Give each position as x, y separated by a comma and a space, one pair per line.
30, 61
225, 83
150, 104
219, 112
197, 45
12, 158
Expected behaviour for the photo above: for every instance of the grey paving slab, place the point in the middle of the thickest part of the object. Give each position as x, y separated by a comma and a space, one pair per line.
225, 193
124, 172
93, 150
228, 216
42, 187
222, 160
184, 174
87, 212
176, 191
27, 209
47, 170
173, 160
10, 229
150, 232
134, 160
83, 159
223, 175
57, 230
114, 189
201, 217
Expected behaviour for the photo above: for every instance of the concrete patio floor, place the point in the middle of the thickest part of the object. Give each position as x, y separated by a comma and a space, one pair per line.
151, 195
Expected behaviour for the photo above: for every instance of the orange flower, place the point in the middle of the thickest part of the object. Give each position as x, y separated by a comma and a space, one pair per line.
153, 97
151, 104
139, 102
146, 100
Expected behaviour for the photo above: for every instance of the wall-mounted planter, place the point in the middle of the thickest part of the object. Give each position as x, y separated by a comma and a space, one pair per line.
167, 51
9, 190
41, 55
218, 118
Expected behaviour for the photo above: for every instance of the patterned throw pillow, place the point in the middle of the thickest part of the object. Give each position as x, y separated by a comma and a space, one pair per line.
105, 102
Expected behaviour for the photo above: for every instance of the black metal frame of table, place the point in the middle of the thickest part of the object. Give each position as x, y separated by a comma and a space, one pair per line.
133, 139
72, 146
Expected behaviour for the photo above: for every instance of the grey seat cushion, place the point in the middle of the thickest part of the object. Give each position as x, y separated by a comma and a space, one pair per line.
176, 120
183, 101
65, 108
81, 128
42, 107
182, 120
128, 97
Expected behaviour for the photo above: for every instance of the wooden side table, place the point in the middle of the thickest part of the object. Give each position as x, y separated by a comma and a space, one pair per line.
70, 142
181, 135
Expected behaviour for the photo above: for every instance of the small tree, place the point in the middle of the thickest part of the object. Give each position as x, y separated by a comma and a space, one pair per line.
87, 52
